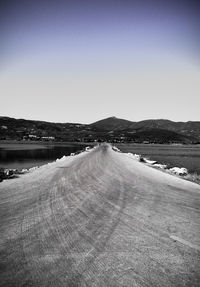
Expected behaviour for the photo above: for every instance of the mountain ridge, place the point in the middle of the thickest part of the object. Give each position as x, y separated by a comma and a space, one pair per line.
189, 128
108, 129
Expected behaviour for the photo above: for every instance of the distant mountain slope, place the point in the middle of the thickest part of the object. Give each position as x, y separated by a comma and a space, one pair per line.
111, 129
190, 128
111, 124
11, 128
160, 136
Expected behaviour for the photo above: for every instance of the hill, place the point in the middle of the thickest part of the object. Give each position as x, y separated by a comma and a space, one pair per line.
188, 129
111, 124
160, 136
111, 129
18, 129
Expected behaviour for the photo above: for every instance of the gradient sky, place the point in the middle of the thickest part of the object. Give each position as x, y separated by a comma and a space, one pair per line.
81, 61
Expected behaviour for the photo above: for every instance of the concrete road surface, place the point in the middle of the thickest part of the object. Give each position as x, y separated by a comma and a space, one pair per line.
99, 219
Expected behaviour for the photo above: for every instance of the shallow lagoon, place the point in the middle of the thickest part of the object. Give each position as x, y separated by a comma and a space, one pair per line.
172, 155
27, 155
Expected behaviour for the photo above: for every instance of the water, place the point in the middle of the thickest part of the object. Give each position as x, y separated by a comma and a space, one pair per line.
19, 156
172, 155
28, 155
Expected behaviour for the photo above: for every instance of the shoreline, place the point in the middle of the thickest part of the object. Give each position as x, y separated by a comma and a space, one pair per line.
180, 172
10, 173
92, 143
44, 142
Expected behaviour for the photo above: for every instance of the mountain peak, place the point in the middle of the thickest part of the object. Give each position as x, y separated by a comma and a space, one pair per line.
112, 123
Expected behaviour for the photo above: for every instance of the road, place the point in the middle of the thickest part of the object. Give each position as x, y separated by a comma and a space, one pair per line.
100, 218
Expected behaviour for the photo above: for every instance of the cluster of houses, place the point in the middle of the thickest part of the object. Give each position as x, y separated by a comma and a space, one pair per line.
36, 138
75, 133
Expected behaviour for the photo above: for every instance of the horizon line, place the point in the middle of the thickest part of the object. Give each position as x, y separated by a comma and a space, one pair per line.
114, 117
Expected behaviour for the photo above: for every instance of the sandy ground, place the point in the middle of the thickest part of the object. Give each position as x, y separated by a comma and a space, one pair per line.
99, 219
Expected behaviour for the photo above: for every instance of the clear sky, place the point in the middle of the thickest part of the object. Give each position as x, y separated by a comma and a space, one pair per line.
84, 60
